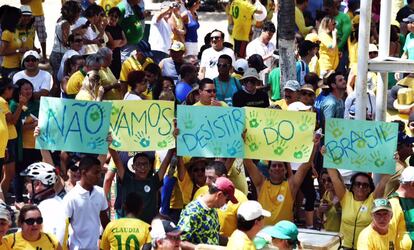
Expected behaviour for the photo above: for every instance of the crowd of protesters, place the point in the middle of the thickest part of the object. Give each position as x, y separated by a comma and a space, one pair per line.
160, 200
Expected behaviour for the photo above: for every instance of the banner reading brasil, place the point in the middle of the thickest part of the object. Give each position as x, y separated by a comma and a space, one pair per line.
271, 134
364, 146
279, 135
74, 126
142, 125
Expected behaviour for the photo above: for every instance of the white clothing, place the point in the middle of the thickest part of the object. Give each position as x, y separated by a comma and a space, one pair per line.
132, 96
58, 47
160, 36
257, 47
54, 217
350, 101
68, 54
209, 60
43, 79
168, 69
191, 48
83, 209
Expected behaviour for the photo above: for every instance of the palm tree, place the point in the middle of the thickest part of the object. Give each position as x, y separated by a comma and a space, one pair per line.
286, 40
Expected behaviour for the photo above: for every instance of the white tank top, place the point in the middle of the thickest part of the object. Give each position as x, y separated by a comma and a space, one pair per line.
57, 43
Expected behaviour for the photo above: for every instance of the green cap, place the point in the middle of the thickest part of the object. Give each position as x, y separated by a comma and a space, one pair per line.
381, 204
284, 230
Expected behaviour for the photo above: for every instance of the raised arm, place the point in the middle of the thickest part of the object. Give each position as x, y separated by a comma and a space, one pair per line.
338, 185
118, 163
379, 190
257, 177
165, 163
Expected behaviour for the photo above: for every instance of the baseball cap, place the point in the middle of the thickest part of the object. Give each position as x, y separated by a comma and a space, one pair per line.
381, 204
26, 10
31, 53
250, 73
256, 61
404, 138
284, 230
241, 65
5, 212
313, 37
409, 19
161, 228
372, 48
307, 87
292, 85
251, 210
407, 175
227, 187
177, 46
298, 106
145, 48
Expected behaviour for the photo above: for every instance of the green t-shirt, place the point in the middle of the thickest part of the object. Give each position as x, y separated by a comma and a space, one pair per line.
131, 25
344, 27
407, 205
274, 82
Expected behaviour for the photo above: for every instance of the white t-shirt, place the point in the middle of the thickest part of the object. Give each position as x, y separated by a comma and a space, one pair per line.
257, 47
160, 35
68, 54
54, 217
43, 80
83, 208
209, 60
132, 97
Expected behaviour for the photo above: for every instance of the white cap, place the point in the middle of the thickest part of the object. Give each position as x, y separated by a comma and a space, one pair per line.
161, 228
241, 65
298, 106
251, 210
26, 10
292, 85
372, 48
407, 175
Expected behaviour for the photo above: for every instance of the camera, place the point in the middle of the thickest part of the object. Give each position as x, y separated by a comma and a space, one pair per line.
175, 5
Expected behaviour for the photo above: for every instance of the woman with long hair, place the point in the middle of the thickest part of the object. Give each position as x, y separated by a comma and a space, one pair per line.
176, 23
328, 48
11, 47
73, 64
91, 89
190, 19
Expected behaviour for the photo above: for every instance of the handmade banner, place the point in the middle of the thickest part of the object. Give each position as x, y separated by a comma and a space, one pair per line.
74, 126
364, 146
142, 125
208, 131
279, 135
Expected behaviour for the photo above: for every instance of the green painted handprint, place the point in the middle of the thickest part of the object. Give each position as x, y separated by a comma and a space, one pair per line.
96, 143
252, 143
336, 130
301, 151
378, 160
164, 143
337, 160
305, 123
142, 139
359, 160
114, 110
279, 147
116, 143
188, 121
271, 119
216, 146
253, 122
362, 143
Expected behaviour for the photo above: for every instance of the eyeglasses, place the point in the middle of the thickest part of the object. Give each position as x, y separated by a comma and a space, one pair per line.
32, 221
224, 65
78, 40
325, 180
198, 170
31, 59
215, 37
363, 185
210, 91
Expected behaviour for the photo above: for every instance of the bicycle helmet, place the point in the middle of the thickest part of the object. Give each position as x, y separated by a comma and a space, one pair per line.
41, 171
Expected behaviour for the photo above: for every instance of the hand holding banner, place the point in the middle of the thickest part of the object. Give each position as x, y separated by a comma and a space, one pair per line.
364, 146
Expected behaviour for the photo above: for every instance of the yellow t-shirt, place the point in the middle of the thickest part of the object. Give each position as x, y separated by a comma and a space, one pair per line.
228, 213
37, 8
108, 4
4, 134
132, 64
350, 210
398, 226
353, 55
75, 82
237, 175
314, 66
125, 233
371, 239
84, 95
278, 200
282, 103
11, 61
4, 106
107, 79
242, 12
300, 22
328, 56
4, 245
29, 140
332, 222
223, 104
46, 241
239, 241
27, 37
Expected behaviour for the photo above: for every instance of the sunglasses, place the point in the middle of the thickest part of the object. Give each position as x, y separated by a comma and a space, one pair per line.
32, 221
210, 91
363, 185
308, 93
30, 59
224, 65
215, 37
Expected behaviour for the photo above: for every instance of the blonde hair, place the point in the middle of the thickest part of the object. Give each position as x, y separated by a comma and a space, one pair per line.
167, 96
324, 26
91, 83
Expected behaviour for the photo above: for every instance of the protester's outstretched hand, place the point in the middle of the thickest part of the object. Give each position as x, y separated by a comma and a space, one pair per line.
36, 132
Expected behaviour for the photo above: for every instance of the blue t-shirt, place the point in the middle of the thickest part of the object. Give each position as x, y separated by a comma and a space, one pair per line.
302, 69
331, 107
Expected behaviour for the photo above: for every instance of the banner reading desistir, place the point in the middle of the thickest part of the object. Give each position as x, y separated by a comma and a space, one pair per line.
142, 125
279, 135
74, 126
365, 146
210, 131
